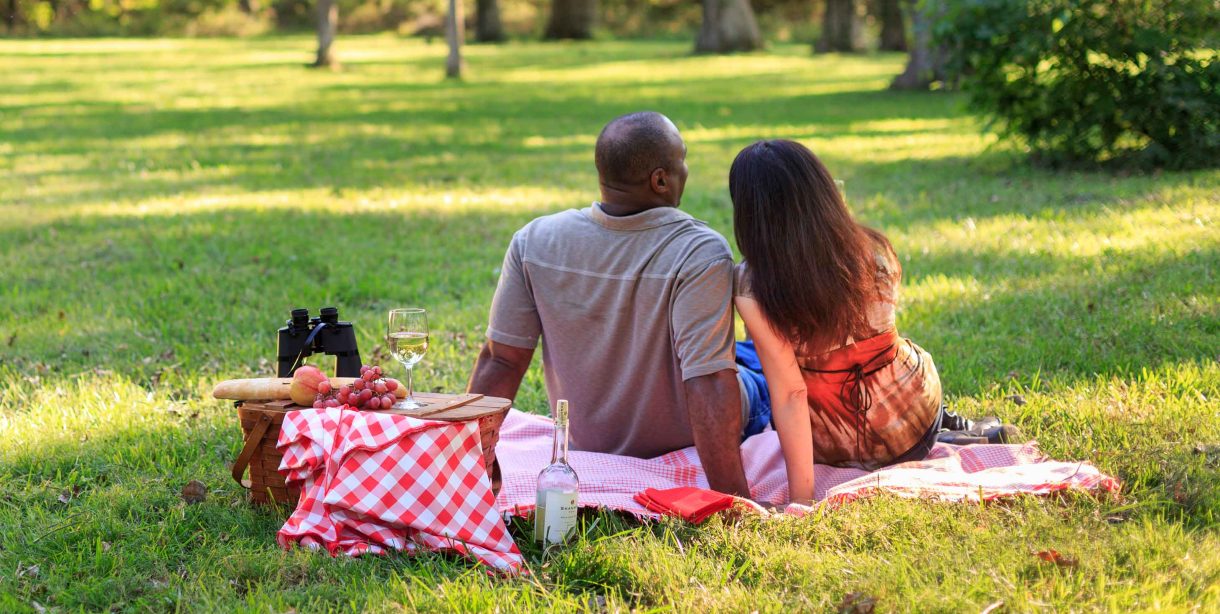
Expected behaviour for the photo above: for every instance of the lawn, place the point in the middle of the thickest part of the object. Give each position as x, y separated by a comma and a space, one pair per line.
166, 202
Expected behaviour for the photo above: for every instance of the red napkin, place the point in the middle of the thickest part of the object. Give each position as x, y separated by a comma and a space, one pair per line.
689, 503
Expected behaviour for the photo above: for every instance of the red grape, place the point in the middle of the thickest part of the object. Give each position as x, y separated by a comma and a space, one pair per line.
391, 385
323, 386
380, 387
373, 403
342, 396
358, 384
365, 395
317, 404
364, 368
331, 403
387, 401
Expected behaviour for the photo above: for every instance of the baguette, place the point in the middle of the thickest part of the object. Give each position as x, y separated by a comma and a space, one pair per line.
269, 388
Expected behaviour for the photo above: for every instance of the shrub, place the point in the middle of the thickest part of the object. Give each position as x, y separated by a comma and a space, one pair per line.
1130, 82
229, 21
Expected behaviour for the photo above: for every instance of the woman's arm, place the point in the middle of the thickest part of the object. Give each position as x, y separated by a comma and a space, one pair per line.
789, 399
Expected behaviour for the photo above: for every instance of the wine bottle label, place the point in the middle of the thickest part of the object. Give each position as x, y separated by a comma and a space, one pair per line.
558, 516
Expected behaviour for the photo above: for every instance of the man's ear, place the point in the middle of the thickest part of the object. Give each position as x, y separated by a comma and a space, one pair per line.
659, 181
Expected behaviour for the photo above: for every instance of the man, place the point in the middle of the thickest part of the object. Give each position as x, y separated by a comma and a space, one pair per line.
632, 299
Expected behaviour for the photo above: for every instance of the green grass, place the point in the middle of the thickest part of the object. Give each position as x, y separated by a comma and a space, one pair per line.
165, 202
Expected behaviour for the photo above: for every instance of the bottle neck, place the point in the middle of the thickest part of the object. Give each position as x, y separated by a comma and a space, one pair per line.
559, 449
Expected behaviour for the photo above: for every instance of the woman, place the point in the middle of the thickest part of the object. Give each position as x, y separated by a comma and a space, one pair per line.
817, 293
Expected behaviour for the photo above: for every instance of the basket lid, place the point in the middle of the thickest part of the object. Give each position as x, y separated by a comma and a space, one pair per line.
454, 407
436, 406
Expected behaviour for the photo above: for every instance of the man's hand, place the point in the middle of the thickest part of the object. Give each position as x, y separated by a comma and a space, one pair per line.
714, 405
499, 370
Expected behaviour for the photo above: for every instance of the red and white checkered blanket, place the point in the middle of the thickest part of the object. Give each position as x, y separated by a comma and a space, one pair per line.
951, 473
371, 482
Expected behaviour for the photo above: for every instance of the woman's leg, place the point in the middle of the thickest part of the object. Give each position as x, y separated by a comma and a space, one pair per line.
754, 385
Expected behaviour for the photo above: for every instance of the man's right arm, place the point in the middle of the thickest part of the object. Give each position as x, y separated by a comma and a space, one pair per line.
513, 328
499, 370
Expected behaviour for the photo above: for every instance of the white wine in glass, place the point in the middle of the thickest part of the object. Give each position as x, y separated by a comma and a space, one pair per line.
407, 336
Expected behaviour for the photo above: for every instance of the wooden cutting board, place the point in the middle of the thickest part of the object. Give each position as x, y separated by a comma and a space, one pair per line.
436, 406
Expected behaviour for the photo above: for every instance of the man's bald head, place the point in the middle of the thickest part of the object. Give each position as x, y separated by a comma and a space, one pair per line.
632, 146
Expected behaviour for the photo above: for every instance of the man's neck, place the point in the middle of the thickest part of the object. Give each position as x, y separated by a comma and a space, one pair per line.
618, 203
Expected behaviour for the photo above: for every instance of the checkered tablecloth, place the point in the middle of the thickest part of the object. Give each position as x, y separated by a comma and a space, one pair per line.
373, 482
950, 473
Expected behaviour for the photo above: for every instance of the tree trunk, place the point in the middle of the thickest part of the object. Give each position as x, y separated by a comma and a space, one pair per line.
487, 25
572, 19
893, 27
927, 63
10, 16
248, 7
728, 25
840, 27
454, 27
328, 21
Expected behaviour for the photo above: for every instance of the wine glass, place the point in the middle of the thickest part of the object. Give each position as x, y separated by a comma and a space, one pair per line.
407, 336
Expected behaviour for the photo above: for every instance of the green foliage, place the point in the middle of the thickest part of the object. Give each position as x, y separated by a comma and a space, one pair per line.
1124, 81
228, 21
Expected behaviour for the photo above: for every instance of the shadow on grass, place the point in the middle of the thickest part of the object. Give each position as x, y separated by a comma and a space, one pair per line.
1047, 315
210, 285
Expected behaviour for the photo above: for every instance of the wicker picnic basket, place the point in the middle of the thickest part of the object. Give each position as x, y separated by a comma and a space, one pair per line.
261, 421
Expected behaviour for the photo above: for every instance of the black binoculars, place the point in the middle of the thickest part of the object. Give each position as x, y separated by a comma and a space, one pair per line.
304, 336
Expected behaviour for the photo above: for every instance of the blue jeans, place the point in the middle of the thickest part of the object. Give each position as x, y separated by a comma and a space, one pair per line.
749, 369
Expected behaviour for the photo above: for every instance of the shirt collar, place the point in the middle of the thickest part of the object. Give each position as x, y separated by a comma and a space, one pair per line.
650, 218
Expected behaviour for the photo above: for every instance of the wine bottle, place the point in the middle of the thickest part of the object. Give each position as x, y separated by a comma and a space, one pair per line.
555, 513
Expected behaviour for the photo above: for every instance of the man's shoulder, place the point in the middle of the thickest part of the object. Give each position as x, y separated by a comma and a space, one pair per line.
551, 223
704, 244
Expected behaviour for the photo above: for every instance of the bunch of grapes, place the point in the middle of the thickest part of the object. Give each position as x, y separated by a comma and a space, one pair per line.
371, 391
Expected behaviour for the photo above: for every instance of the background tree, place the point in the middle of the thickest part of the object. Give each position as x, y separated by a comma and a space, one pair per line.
840, 27
328, 22
10, 16
572, 19
728, 25
926, 65
893, 26
454, 26
488, 28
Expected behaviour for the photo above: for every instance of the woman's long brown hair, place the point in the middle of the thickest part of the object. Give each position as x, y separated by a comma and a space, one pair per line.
811, 267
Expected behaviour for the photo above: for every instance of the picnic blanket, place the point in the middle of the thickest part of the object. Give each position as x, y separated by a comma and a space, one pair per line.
950, 473
373, 482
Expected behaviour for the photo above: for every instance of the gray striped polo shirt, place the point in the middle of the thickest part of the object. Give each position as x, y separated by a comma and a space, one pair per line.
627, 308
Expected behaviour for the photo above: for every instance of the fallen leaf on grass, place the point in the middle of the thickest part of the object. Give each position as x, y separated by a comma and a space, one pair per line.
1016, 399
596, 603
1210, 452
38, 607
992, 607
68, 494
1053, 556
194, 492
31, 571
857, 603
